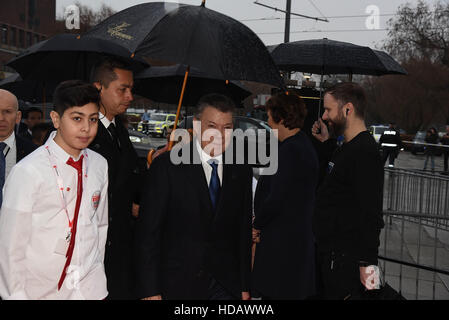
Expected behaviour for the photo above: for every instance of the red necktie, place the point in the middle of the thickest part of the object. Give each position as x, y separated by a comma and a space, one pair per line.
78, 165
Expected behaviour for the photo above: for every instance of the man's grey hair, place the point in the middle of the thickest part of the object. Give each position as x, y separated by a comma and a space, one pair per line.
218, 101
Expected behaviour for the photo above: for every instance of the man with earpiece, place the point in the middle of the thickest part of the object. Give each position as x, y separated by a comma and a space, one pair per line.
348, 210
114, 80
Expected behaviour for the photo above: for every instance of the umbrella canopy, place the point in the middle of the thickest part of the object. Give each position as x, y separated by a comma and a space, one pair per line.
67, 57
162, 84
29, 90
324, 56
173, 33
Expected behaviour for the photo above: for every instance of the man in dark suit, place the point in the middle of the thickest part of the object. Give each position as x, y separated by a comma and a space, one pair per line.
31, 117
115, 81
13, 148
193, 240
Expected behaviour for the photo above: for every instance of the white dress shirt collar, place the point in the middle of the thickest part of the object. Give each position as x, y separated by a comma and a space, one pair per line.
57, 151
11, 140
206, 157
105, 121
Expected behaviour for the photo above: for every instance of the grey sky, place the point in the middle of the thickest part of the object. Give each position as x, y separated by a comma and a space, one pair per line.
347, 15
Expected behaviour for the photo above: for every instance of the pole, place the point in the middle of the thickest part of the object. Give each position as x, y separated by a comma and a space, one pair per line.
44, 100
288, 11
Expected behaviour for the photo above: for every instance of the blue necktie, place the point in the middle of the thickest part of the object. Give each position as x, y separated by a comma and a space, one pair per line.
214, 185
2, 170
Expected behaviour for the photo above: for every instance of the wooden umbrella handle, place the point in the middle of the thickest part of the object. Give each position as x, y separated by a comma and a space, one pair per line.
186, 75
150, 157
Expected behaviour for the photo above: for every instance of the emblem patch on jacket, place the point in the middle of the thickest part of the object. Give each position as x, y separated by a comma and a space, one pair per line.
96, 199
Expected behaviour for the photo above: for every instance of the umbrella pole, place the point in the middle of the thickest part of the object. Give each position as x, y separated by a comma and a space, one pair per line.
186, 75
321, 96
43, 101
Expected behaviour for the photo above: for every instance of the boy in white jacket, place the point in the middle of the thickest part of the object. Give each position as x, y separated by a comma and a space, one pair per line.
54, 219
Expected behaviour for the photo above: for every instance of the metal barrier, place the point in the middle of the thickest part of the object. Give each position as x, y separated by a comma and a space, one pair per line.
417, 192
415, 241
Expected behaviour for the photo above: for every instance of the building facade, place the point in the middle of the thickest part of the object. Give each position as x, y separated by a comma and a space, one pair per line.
22, 24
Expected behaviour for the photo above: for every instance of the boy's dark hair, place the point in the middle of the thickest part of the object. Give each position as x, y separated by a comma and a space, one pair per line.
346, 92
104, 73
74, 93
218, 101
32, 109
289, 107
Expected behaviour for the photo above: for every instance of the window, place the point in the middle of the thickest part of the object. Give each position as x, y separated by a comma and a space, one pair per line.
36, 38
22, 39
12, 37
171, 118
29, 39
4, 34
247, 125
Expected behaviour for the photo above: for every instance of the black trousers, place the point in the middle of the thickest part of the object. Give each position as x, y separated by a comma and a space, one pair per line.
218, 292
389, 153
338, 277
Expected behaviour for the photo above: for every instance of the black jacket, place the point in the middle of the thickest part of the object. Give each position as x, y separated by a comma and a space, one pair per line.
348, 212
180, 241
24, 147
431, 138
123, 185
389, 138
284, 266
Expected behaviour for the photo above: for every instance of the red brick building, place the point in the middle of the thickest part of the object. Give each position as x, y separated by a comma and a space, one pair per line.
22, 24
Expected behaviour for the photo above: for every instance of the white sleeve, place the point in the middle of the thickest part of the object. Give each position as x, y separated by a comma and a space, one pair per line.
15, 231
103, 217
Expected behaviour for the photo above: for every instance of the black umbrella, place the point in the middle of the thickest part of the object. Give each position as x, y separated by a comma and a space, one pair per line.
29, 90
324, 56
160, 84
68, 56
172, 33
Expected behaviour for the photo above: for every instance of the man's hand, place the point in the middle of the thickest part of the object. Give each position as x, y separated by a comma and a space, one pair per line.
246, 295
256, 235
158, 297
320, 126
370, 277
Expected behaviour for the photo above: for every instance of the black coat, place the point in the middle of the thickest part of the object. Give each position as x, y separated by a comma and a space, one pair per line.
24, 147
284, 265
180, 241
123, 185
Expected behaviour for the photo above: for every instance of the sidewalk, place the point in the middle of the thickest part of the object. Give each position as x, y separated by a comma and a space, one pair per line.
414, 283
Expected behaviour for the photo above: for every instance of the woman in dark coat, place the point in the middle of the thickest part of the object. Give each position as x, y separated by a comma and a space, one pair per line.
284, 262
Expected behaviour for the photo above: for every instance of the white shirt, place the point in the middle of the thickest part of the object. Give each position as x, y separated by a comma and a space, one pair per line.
33, 222
207, 167
11, 153
105, 121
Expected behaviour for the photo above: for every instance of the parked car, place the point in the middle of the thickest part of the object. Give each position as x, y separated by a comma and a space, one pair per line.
377, 131
141, 142
158, 124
